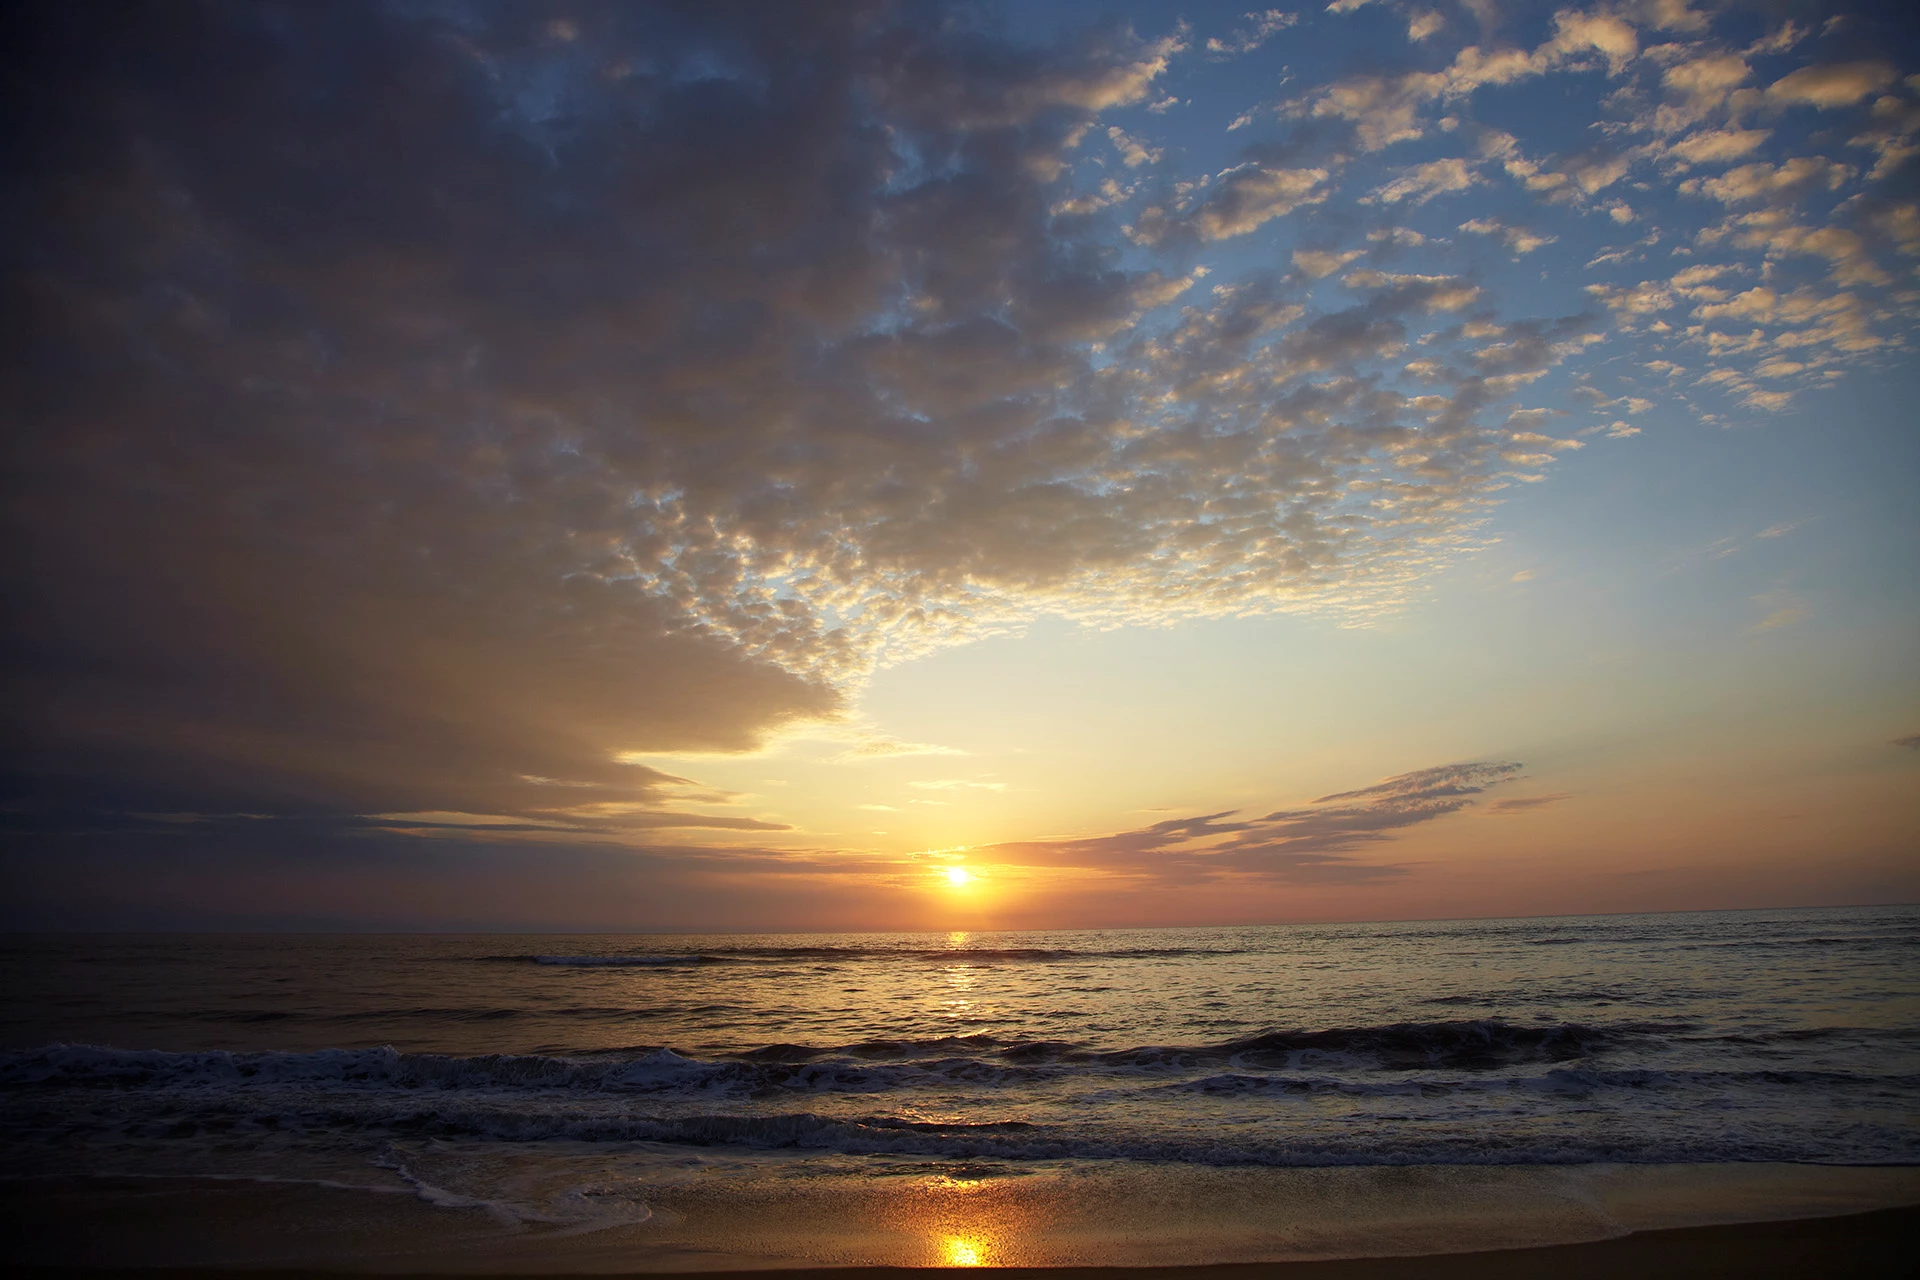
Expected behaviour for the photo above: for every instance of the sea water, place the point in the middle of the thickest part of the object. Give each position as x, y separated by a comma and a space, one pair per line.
566, 1081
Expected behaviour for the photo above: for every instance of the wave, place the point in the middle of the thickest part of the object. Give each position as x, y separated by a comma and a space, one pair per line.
1481, 1043
1558, 1081
1485, 1093
639, 962
1409, 1045
877, 1066
1021, 1140
644, 1070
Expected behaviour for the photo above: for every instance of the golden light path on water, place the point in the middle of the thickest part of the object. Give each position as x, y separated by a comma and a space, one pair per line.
959, 1251
968, 1244
961, 1236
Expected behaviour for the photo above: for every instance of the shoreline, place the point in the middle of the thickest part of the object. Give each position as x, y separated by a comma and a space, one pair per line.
1873, 1244
806, 1220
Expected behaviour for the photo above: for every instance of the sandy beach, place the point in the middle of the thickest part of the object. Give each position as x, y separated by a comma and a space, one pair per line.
1854, 1245
1675, 1220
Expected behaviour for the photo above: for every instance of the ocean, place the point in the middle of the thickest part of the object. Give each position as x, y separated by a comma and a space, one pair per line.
569, 1083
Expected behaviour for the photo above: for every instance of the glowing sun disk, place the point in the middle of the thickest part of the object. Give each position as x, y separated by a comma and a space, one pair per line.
958, 876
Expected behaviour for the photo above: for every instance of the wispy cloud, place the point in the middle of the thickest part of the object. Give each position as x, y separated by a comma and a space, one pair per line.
1312, 844
1525, 804
884, 748
1261, 27
1782, 610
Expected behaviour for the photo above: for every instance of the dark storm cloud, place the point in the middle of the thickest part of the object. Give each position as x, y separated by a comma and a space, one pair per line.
388, 374
424, 408
1291, 846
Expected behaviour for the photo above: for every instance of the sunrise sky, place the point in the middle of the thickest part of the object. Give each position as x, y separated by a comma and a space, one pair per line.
725, 466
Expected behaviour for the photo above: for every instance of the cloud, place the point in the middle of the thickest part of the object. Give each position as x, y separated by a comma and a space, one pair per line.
1404, 291
1832, 84
1383, 109
1398, 237
1262, 27
1526, 804
1133, 152
1518, 239
1849, 256
1319, 263
1702, 83
325, 874
1911, 742
885, 748
1603, 33
1899, 223
1595, 169
560, 404
1444, 782
503, 428
1774, 184
1789, 34
1718, 146
1244, 199
1389, 107
1306, 845
615, 820
1423, 182
1890, 133
1782, 611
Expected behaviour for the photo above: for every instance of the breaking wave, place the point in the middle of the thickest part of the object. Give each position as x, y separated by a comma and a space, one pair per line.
1338, 1045
878, 1066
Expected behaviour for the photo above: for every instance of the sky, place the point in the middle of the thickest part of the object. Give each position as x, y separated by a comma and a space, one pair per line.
948, 466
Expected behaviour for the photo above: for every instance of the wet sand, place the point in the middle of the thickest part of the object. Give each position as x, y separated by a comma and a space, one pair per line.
1879, 1244
1628, 1222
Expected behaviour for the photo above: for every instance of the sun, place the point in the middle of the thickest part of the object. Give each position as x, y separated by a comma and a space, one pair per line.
959, 877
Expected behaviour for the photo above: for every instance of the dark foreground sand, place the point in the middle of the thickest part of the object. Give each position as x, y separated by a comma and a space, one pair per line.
1089, 1223
1884, 1243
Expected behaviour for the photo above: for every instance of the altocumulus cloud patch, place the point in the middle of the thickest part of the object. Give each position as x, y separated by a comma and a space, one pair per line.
424, 407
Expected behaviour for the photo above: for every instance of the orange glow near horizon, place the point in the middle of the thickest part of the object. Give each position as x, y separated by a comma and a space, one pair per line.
1184, 528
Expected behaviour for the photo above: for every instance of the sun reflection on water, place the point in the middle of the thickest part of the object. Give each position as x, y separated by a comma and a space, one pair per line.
963, 1251
958, 996
962, 1230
